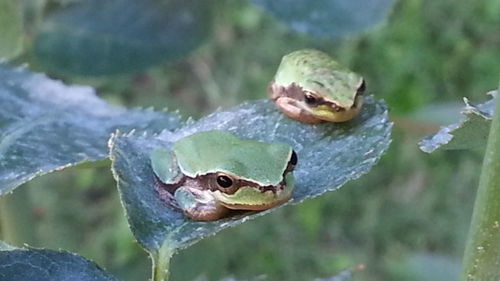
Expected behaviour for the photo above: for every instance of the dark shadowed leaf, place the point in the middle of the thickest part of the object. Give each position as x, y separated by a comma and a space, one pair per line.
96, 37
47, 265
327, 18
470, 133
329, 156
46, 125
11, 28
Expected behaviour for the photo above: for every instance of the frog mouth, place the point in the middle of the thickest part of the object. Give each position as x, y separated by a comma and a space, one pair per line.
335, 113
251, 198
256, 207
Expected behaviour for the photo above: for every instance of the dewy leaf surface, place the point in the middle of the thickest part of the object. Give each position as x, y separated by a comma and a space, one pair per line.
96, 37
470, 133
327, 18
46, 125
329, 155
47, 265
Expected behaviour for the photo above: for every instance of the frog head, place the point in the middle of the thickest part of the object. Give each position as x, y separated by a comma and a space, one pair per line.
311, 87
212, 172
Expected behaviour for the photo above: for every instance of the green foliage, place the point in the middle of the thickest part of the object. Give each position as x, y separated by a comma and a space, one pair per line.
426, 53
47, 125
11, 24
92, 38
327, 18
350, 149
38, 106
469, 133
430, 51
46, 265
120, 36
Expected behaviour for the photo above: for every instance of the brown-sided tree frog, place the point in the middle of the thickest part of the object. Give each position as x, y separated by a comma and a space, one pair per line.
210, 173
311, 87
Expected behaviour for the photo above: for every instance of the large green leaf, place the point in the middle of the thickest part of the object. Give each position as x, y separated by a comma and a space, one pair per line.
46, 125
330, 18
11, 28
329, 156
47, 265
470, 133
96, 37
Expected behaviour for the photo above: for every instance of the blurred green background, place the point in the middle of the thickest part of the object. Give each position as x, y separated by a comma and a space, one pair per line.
406, 220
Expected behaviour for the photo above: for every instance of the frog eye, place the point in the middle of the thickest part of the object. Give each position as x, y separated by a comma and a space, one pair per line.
310, 98
224, 181
361, 88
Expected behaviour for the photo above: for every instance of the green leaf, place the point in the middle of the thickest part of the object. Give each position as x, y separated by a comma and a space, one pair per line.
327, 18
97, 37
11, 29
46, 125
329, 155
47, 265
472, 132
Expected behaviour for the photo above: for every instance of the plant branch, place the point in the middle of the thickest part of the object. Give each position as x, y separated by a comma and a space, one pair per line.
482, 254
161, 263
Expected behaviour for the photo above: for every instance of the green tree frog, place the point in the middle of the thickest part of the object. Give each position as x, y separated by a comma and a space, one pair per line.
210, 174
311, 87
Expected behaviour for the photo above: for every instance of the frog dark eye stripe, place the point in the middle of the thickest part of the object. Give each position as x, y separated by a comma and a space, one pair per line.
310, 99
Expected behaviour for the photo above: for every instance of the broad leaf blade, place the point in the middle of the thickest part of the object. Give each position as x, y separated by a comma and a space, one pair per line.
97, 37
46, 125
327, 18
470, 133
47, 265
11, 28
329, 155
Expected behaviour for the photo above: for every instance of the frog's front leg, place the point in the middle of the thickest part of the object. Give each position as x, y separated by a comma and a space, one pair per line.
199, 205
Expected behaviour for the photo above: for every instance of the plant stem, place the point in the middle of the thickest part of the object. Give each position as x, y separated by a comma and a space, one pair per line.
16, 220
482, 253
161, 263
